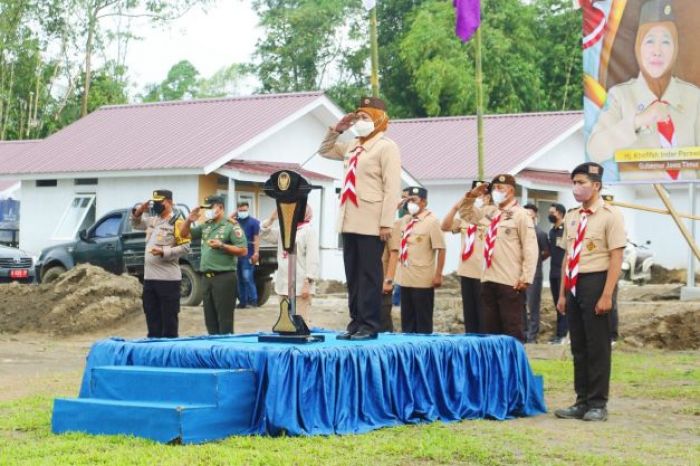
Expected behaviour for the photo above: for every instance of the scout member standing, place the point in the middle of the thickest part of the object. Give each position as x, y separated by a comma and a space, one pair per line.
162, 275
223, 241
595, 239
389, 290
510, 256
557, 251
420, 273
471, 259
367, 206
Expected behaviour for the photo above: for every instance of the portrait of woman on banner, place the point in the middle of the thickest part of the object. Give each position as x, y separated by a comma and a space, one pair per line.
656, 109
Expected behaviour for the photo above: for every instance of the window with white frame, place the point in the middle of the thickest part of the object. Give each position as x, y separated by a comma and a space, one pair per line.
79, 214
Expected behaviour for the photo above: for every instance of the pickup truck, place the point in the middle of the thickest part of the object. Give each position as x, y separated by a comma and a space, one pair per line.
112, 244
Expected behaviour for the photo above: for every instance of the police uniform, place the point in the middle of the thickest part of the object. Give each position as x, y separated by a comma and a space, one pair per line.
615, 129
218, 270
557, 251
162, 275
590, 332
470, 271
514, 259
377, 184
415, 276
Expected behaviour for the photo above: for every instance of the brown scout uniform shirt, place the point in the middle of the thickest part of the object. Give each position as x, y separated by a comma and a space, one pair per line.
392, 245
474, 266
378, 182
515, 252
605, 231
165, 233
426, 238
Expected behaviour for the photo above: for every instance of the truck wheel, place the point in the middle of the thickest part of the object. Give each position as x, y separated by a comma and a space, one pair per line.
52, 273
264, 288
191, 287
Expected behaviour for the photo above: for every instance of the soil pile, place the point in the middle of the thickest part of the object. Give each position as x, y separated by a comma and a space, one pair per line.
83, 299
674, 328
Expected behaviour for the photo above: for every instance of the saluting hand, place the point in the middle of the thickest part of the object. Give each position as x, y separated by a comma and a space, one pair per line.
194, 215
478, 191
346, 122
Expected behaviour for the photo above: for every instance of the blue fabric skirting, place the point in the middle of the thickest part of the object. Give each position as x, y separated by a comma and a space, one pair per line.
342, 387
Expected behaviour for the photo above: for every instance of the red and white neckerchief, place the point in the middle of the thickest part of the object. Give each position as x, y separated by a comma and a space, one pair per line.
667, 138
469, 240
408, 229
349, 187
490, 240
300, 225
571, 272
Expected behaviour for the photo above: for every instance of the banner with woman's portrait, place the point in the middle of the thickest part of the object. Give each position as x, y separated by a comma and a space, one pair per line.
641, 61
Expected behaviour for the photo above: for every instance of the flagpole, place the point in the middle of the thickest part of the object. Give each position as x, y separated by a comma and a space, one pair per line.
479, 105
374, 46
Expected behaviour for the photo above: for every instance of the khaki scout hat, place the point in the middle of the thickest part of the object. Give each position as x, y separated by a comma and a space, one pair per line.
591, 169
159, 195
209, 201
504, 179
657, 11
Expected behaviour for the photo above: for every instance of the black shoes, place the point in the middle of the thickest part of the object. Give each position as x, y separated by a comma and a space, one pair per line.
343, 336
572, 412
362, 335
596, 414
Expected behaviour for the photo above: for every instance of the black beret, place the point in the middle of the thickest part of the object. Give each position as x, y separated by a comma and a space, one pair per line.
418, 191
504, 179
657, 11
590, 169
161, 195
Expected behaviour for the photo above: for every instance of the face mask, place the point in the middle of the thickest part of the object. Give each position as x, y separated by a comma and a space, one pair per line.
413, 208
552, 218
479, 203
364, 128
209, 214
582, 193
158, 208
243, 215
498, 196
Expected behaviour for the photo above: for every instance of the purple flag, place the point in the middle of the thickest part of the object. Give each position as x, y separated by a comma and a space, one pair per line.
468, 14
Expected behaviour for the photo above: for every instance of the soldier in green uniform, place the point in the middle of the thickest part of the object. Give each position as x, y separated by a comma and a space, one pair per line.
223, 241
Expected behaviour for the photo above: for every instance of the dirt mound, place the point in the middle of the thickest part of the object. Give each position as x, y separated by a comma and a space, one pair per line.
83, 299
660, 274
675, 329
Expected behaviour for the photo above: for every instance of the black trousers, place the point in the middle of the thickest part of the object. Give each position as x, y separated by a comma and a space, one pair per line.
562, 322
362, 255
531, 313
590, 341
503, 310
417, 309
219, 296
471, 304
386, 324
161, 304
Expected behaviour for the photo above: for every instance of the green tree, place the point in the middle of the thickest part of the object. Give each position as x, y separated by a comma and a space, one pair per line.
228, 81
181, 83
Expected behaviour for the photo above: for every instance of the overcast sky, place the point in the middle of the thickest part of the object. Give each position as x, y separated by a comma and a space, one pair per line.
226, 33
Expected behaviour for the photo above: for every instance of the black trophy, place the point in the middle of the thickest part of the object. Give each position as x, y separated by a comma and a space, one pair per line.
290, 190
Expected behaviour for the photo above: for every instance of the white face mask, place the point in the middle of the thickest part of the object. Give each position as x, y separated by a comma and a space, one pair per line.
413, 208
364, 128
243, 214
498, 196
479, 203
209, 214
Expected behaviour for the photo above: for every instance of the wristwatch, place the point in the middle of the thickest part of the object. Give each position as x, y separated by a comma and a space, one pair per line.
389, 281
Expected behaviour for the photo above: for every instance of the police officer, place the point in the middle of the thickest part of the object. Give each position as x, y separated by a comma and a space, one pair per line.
470, 259
557, 250
419, 249
510, 255
223, 241
367, 205
595, 239
162, 275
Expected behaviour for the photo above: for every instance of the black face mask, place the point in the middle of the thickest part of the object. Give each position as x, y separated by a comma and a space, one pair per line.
552, 218
158, 208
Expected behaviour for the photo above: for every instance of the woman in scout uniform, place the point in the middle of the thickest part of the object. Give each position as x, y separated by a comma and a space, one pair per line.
510, 255
223, 241
367, 206
654, 110
420, 254
595, 239
307, 261
162, 275
471, 262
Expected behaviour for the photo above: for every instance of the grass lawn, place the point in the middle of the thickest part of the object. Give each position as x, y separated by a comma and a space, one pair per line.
655, 419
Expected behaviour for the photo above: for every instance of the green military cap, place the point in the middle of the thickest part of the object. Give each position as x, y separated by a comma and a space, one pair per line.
209, 201
160, 195
372, 102
590, 169
656, 11
504, 179
418, 191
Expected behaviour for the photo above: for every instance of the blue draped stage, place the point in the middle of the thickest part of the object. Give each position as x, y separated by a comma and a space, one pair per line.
342, 387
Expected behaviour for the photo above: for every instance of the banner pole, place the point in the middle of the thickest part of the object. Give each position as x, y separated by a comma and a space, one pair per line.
663, 195
691, 260
479, 105
374, 46
627, 205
